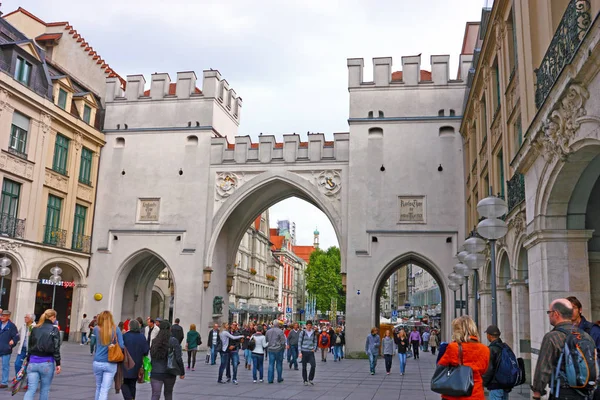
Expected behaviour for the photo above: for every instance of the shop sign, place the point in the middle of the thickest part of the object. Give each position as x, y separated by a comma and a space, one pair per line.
64, 284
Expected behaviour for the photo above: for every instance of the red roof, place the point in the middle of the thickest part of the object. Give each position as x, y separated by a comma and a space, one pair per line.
48, 36
172, 90
277, 242
425, 76
303, 252
257, 223
272, 231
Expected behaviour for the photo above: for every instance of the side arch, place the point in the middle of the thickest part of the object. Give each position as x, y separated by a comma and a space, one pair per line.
65, 261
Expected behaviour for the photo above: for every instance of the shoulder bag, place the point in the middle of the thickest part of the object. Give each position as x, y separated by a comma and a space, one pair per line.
115, 353
172, 366
456, 381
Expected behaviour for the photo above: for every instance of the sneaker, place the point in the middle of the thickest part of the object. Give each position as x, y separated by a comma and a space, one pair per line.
388, 373
193, 369
261, 381
311, 382
223, 382
81, 344
372, 373
254, 381
280, 381
228, 380
235, 382
305, 383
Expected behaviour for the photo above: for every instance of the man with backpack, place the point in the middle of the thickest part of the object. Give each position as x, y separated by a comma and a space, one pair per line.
503, 372
566, 359
588, 327
307, 342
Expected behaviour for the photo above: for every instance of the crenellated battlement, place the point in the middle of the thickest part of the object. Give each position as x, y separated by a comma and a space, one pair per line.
214, 87
291, 149
410, 75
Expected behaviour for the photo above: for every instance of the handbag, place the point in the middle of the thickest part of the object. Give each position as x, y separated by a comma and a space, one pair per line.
456, 381
172, 367
140, 377
115, 353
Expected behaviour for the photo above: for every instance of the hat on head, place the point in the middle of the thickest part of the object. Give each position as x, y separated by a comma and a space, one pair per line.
6, 312
493, 330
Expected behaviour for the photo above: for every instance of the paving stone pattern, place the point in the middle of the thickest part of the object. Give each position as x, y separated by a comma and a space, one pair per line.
348, 379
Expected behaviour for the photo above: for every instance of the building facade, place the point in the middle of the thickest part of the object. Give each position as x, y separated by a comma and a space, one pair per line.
50, 135
530, 130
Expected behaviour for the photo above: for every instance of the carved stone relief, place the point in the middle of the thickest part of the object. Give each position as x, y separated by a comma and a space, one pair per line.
85, 193
4, 95
16, 166
500, 27
6, 245
226, 183
78, 142
329, 183
56, 181
517, 223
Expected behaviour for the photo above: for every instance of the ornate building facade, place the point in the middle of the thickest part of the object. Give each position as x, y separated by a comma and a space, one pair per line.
531, 134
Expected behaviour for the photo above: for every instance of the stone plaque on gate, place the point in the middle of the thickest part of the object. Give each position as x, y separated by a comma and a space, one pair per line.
148, 210
412, 209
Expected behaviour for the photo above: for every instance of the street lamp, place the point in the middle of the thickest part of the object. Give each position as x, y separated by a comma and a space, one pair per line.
4, 270
492, 228
55, 278
454, 287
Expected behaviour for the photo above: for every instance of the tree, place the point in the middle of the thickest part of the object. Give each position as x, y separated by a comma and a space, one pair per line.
324, 278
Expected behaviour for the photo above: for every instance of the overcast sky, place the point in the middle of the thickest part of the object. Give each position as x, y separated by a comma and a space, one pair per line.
286, 59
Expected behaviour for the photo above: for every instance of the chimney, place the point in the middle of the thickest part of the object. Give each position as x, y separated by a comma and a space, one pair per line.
159, 85
382, 71
186, 83
135, 87
439, 69
411, 69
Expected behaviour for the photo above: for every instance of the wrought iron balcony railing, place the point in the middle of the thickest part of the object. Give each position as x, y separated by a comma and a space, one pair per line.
83, 243
11, 226
567, 38
516, 190
55, 237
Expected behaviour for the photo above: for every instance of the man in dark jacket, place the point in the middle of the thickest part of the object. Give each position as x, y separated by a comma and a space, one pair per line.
137, 346
9, 336
489, 377
234, 355
292, 346
214, 343
177, 331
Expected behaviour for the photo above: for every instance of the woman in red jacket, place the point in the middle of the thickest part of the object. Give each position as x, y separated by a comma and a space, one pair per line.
475, 354
324, 341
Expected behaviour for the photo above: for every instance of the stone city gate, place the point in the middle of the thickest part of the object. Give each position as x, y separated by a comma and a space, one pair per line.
180, 188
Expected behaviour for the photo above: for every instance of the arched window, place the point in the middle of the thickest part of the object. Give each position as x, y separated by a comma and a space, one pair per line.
452, 113
192, 140
441, 113
380, 114
375, 132
120, 142
370, 114
446, 131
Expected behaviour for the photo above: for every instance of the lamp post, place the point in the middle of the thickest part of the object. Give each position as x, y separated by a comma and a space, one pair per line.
492, 228
4, 270
464, 271
454, 287
55, 278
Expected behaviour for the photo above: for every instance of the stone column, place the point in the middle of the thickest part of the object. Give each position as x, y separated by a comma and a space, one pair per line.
593, 314
77, 311
558, 267
522, 334
25, 288
505, 317
485, 315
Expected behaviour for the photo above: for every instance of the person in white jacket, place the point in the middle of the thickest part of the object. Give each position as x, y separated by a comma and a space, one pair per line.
150, 331
258, 353
23, 341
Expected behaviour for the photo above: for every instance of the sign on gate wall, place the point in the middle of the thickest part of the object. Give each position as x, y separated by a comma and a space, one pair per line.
412, 209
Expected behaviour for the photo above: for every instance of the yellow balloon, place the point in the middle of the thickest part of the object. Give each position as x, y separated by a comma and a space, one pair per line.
98, 296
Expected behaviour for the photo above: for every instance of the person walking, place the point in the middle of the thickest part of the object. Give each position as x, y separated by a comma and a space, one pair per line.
151, 331
276, 340
193, 340
93, 340
403, 344
433, 342
9, 336
415, 340
85, 328
177, 331
425, 340
137, 346
338, 344
372, 345
258, 354
106, 333
324, 341
292, 346
225, 352
214, 343
234, 348
559, 314
24, 341
163, 347
388, 351
307, 342
248, 331
467, 350
489, 378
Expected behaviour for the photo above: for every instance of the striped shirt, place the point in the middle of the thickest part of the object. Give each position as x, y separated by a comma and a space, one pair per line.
550, 350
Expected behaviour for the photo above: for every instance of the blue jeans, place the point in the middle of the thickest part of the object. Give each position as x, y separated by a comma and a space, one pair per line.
337, 352
293, 356
5, 368
36, 373
105, 373
257, 365
248, 356
498, 394
275, 357
84, 339
19, 360
213, 354
402, 360
372, 361
234, 356
92, 344
224, 364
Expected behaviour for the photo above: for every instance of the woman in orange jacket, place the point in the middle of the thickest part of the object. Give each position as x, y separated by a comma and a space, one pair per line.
323, 343
475, 355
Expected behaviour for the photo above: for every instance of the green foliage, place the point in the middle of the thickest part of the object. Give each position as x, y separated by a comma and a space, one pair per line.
324, 278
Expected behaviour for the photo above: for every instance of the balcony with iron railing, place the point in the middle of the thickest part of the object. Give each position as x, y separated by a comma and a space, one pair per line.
11, 226
516, 190
81, 243
55, 236
564, 45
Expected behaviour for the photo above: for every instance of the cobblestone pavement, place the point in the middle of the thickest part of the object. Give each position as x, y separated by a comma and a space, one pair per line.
348, 379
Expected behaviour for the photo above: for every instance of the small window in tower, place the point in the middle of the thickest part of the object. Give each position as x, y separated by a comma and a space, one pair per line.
192, 140
441, 113
120, 142
370, 114
452, 113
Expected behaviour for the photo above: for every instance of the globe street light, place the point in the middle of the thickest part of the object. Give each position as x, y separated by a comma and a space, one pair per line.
492, 228
55, 278
4, 270
454, 287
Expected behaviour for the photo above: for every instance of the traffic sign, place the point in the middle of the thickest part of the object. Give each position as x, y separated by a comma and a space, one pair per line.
394, 313
288, 310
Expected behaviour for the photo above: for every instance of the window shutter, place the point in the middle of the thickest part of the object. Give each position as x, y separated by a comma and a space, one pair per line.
21, 121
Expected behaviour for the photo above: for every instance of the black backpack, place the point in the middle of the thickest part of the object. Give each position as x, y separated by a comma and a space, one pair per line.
251, 344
